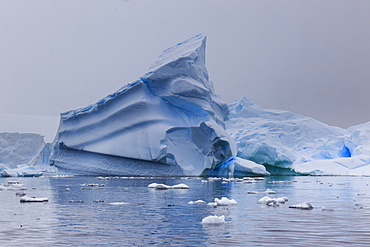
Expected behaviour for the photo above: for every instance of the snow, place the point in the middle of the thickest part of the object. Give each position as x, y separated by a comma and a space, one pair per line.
170, 116
291, 144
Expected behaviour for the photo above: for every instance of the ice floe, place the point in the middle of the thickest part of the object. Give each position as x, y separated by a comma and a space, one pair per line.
165, 187
33, 199
303, 205
214, 220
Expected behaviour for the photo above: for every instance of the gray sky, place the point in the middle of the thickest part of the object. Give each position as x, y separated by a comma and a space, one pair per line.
309, 57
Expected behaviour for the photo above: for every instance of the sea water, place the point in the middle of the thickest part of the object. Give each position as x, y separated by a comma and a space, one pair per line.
80, 212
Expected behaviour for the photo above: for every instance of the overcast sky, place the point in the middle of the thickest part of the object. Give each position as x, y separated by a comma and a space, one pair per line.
308, 57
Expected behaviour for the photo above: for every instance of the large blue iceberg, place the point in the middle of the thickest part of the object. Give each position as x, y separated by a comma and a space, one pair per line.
169, 122
288, 143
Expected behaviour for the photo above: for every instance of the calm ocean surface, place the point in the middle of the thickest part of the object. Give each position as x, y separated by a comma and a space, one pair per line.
164, 217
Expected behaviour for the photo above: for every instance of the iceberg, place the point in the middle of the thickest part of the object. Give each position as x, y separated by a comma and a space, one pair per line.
214, 220
168, 122
23, 155
290, 144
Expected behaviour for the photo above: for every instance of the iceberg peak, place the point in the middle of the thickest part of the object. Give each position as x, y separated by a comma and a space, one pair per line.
193, 48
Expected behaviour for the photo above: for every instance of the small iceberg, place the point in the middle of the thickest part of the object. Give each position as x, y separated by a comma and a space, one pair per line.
117, 203
165, 187
20, 193
76, 201
196, 202
12, 185
33, 199
272, 201
327, 209
268, 191
63, 176
21, 171
303, 205
224, 201
214, 220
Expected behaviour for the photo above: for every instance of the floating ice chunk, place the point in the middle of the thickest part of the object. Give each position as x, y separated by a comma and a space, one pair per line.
13, 182
76, 201
268, 191
33, 199
15, 185
162, 187
197, 202
165, 187
272, 201
227, 180
249, 180
327, 209
180, 186
93, 185
264, 200
20, 193
117, 203
152, 185
224, 201
68, 189
214, 204
303, 205
12, 185
63, 176
214, 220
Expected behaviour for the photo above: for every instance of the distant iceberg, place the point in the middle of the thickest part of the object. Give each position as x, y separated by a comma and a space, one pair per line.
23, 155
288, 143
169, 122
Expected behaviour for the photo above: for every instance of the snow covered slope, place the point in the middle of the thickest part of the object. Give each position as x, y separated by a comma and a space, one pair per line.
169, 116
288, 143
